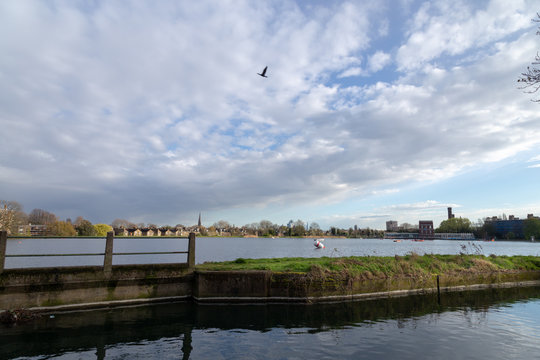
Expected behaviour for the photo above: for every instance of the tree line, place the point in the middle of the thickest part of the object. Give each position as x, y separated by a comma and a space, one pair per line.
485, 229
13, 218
296, 228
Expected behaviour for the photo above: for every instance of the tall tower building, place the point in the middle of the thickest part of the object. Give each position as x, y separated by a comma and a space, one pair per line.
450, 215
199, 223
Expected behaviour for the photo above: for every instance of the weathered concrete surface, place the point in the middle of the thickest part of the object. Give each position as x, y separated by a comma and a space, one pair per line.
28, 288
264, 286
89, 287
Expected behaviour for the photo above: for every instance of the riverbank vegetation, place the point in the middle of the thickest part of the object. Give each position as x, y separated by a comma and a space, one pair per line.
370, 267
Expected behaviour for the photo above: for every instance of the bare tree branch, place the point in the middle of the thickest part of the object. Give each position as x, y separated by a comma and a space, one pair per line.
531, 78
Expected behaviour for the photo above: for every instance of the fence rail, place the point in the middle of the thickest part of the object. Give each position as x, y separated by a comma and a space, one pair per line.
108, 254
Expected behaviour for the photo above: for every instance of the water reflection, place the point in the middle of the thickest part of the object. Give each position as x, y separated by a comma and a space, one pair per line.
378, 328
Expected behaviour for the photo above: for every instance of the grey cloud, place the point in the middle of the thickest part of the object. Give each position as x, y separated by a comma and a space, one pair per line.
155, 112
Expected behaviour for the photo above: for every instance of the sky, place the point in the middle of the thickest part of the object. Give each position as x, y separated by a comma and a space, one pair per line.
152, 111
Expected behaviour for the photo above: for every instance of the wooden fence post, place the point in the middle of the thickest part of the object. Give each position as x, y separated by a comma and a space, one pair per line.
107, 263
3, 243
191, 251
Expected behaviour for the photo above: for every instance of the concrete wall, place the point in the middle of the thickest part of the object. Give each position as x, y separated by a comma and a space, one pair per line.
91, 287
27, 288
264, 286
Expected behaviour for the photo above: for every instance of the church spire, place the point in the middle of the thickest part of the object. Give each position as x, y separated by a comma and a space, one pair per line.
199, 219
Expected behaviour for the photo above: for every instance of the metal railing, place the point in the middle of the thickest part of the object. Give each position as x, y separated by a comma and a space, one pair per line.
108, 254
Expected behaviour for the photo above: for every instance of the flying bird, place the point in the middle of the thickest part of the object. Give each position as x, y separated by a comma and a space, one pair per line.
263, 74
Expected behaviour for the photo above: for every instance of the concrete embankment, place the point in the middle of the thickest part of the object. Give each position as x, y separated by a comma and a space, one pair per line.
265, 286
87, 287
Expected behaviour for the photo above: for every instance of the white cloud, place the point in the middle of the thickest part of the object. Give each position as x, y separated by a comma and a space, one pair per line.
378, 61
152, 104
353, 71
424, 205
443, 29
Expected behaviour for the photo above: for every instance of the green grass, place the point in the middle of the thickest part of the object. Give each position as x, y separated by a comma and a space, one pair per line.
383, 267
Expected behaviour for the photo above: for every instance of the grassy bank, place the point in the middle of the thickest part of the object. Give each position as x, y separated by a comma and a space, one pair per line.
373, 267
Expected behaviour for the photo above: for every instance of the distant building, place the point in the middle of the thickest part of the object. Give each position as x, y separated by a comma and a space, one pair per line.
391, 225
450, 215
425, 229
32, 230
514, 226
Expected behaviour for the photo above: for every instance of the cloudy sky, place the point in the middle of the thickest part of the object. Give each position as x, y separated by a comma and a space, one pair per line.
153, 111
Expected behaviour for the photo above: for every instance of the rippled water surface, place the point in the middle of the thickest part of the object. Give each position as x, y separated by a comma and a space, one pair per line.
491, 324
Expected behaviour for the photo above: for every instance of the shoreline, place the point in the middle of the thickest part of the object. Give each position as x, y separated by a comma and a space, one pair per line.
289, 280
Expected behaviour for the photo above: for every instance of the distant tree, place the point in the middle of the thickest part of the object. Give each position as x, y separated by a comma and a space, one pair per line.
119, 223
212, 231
203, 231
531, 227
298, 228
78, 221
222, 224
41, 217
314, 226
11, 215
531, 78
61, 228
484, 230
455, 225
102, 229
85, 228
315, 229
266, 228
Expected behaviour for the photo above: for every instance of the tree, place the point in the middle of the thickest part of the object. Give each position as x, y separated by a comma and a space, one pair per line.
11, 215
531, 227
222, 224
266, 228
102, 229
531, 78
41, 217
122, 223
85, 228
61, 228
484, 229
298, 228
315, 229
455, 225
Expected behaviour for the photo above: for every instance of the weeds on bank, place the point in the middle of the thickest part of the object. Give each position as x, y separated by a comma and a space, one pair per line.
371, 267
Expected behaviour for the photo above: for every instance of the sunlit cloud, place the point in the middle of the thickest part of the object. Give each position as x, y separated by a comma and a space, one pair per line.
156, 109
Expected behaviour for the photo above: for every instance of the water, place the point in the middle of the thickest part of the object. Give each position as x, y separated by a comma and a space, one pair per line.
224, 249
491, 324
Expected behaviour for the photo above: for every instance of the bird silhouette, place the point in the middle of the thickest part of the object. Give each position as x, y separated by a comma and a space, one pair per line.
263, 74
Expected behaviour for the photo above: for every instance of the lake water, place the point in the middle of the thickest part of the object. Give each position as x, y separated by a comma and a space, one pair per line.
224, 249
493, 324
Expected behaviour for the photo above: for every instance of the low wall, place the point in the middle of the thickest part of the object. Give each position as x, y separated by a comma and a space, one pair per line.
265, 286
86, 287
64, 286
